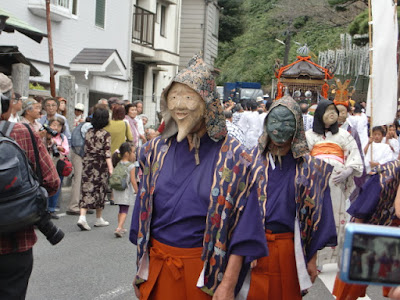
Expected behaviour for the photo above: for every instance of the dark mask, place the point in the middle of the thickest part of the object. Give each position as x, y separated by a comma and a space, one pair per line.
281, 125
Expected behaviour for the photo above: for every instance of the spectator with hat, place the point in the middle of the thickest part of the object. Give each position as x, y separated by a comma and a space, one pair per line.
79, 118
30, 113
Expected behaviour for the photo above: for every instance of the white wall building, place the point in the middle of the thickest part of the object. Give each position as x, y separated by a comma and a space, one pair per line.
90, 41
124, 48
155, 50
199, 31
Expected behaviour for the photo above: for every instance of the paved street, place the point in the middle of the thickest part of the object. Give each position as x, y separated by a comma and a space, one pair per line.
95, 265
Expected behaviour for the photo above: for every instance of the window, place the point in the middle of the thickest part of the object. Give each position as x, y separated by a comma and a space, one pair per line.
100, 13
74, 7
216, 22
163, 23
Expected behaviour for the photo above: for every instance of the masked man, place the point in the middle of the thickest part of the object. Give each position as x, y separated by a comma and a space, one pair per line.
294, 196
195, 230
337, 147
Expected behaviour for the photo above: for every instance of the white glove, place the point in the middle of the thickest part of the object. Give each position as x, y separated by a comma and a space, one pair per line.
341, 176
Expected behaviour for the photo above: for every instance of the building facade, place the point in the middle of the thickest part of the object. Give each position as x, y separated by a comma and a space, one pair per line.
131, 50
85, 44
199, 31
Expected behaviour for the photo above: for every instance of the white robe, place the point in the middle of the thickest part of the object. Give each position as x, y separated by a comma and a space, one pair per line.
250, 125
360, 123
381, 153
341, 192
395, 145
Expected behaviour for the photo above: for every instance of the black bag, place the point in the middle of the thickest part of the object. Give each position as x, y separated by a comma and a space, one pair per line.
22, 200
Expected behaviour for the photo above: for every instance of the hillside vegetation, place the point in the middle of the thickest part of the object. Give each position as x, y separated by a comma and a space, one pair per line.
250, 30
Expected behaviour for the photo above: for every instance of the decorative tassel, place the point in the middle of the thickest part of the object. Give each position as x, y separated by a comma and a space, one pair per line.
196, 145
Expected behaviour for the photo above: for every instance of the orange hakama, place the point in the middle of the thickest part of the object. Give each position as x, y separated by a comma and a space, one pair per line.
275, 276
347, 291
173, 274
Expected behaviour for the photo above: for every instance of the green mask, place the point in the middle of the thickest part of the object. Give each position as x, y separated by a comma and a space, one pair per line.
281, 125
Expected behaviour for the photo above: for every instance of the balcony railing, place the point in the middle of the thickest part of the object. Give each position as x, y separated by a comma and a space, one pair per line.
143, 27
62, 3
59, 9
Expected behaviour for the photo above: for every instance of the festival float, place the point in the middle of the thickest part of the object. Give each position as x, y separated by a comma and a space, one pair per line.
303, 79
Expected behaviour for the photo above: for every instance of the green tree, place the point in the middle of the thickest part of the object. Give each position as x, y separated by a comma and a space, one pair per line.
251, 55
230, 24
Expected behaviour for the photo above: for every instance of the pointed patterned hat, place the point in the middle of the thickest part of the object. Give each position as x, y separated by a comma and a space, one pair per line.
198, 77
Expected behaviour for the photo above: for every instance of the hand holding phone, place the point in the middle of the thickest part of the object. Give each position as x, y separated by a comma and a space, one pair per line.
371, 255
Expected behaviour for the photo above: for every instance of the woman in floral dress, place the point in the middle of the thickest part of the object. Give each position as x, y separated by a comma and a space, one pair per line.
96, 168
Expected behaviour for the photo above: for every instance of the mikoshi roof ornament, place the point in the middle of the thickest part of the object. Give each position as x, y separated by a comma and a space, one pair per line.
342, 95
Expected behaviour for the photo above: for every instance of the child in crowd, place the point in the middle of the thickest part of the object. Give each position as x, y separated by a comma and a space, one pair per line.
392, 140
126, 155
376, 152
58, 147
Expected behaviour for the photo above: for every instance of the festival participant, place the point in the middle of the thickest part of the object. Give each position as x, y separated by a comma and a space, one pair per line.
392, 140
293, 192
376, 152
338, 148
344, 109
359, 121
196, 231
250, 124
308, 119
374, 206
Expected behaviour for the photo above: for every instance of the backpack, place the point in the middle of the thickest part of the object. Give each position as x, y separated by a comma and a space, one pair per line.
64, 167
78, 139
118, 178
23, 201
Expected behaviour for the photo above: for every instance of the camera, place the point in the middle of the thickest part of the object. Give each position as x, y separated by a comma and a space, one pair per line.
49, 130
53, 234
55, 151
371, 255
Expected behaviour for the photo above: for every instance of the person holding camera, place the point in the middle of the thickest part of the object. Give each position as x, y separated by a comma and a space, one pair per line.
51, 106
58, 147
16, 259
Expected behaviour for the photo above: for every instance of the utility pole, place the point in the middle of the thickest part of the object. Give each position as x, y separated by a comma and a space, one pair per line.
50, 42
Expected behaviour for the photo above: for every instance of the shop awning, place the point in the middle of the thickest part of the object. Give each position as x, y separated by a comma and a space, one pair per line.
13, 24
10, 55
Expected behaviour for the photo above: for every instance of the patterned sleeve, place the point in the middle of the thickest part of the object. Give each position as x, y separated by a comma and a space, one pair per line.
107, 145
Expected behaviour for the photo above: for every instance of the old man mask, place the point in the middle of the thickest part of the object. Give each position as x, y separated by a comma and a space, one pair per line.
187, 108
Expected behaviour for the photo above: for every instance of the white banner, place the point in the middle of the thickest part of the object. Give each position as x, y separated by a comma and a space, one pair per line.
384, 68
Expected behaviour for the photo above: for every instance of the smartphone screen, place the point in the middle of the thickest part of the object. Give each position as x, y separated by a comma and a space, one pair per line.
375, 258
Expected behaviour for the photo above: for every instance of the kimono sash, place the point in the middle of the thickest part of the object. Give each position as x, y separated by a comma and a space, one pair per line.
328, 150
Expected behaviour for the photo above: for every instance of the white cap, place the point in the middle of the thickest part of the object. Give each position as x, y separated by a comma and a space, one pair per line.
80, 106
